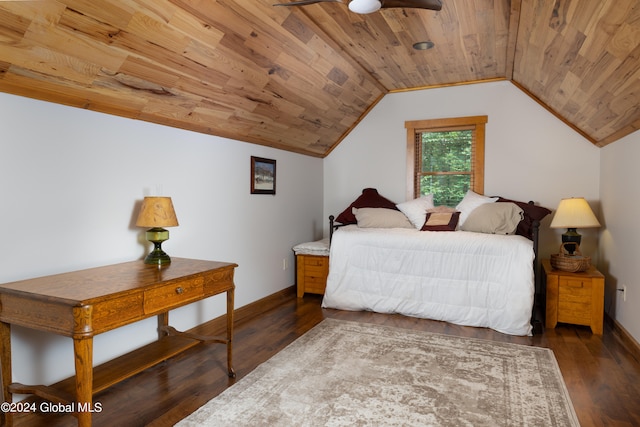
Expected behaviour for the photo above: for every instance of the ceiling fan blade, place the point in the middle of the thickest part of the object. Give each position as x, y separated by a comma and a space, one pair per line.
413, 4
366, 6
306, 2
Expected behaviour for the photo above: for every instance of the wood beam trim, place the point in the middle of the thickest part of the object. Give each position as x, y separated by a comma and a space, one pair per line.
348, 131
443, 85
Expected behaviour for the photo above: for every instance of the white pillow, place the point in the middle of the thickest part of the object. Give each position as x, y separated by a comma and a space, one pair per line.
469, 202
416, 209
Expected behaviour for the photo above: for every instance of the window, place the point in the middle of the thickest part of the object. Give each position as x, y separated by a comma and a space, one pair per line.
445, 157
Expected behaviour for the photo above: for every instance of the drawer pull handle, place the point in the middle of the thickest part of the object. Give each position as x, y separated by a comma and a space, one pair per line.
179, 290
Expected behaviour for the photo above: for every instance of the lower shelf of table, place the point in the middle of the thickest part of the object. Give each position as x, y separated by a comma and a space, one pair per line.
121, 368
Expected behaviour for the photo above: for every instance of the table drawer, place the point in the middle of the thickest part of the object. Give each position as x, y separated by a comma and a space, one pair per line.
218, 281
173, 295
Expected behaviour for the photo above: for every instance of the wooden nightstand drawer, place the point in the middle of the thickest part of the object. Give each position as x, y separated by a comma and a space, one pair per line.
311, 261
312, 266
318, 268
576, 298
574, 301
173, 295
315, 284
574, 291
312, 273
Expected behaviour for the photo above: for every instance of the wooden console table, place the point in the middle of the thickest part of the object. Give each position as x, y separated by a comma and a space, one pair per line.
86, 303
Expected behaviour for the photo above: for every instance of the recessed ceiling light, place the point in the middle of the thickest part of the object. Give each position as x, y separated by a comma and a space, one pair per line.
423, 45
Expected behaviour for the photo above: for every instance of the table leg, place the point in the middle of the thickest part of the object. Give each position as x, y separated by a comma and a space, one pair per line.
83, 352
163, 322
230, 298
5, 368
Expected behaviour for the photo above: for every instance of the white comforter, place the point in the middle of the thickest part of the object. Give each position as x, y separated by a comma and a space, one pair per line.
460, 277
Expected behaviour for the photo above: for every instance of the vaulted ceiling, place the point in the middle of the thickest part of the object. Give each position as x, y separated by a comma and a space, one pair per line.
300, 78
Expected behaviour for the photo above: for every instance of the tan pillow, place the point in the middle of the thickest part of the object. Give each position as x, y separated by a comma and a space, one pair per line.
381, 218
494, 218
470, 202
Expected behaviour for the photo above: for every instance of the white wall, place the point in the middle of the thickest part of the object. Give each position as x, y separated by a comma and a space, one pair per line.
619, 242
71, 182
527, 152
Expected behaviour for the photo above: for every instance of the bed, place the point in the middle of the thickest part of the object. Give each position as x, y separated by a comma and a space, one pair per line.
395, 258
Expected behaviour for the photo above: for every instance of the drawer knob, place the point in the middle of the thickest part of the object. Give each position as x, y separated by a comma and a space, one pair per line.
179, 290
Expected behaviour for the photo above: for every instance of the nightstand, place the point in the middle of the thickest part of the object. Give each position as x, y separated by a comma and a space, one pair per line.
312, 265
576, 298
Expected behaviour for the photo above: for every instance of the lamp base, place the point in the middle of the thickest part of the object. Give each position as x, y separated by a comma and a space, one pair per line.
571, 236
157, 256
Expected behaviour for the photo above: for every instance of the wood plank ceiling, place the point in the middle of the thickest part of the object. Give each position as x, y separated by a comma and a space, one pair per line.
300, 78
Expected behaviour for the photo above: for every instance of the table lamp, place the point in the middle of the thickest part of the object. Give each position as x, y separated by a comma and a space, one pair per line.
157, 213
571, 214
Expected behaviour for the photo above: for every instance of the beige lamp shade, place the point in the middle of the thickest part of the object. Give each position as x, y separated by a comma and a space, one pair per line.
157, 212
574, 213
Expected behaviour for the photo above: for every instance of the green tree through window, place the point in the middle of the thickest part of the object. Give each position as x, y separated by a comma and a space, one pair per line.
446, 165
445, 158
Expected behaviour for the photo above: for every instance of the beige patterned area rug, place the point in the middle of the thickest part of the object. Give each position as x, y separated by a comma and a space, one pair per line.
356, 374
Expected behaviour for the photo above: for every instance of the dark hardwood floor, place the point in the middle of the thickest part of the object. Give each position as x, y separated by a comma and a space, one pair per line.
602, 376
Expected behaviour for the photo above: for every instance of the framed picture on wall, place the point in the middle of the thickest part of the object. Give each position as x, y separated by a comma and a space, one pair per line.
263, 176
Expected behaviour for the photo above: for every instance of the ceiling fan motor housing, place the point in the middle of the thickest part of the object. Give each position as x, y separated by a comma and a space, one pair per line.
364, 6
